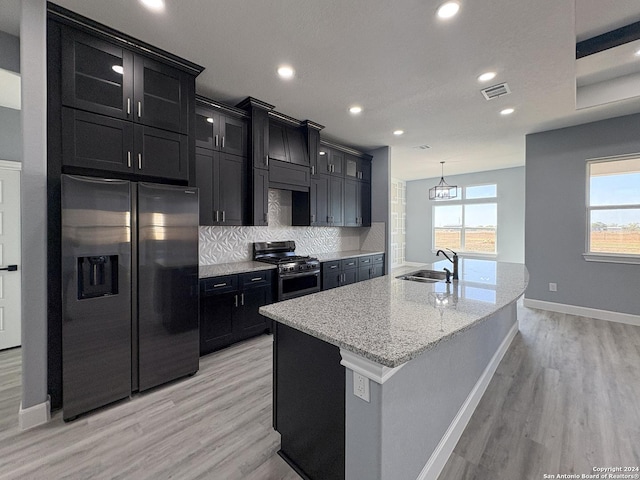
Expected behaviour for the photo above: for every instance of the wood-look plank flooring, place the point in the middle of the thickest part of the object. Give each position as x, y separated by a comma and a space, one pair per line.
565, 398
215, 425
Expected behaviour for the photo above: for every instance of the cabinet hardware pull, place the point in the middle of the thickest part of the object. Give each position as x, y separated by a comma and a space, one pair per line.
265, 217
333, 266
242, 299
218, 285
329, 168
129, 159
313, 218
128, 106
139, 109
266, 160
139, 161
222, 141
256, 279
223, 211
217, 216
313, 170
216, 140
236, 296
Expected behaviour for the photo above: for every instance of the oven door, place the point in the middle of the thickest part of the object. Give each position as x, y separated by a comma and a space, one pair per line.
292, 285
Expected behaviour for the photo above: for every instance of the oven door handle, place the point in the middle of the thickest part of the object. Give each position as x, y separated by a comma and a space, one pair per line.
308, 273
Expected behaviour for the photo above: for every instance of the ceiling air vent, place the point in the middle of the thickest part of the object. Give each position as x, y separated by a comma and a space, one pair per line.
496, 91
423, 147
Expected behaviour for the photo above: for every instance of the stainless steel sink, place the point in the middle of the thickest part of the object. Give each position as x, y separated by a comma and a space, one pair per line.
426, 276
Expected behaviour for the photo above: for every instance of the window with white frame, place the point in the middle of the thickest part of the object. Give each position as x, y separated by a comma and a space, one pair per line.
613, 206
470, 224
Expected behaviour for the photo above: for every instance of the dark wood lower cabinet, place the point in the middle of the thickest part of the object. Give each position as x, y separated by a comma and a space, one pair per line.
338, 273
229, 308
309, 404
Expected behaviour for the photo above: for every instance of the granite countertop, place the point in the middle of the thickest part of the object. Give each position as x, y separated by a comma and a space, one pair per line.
216, 270
327, 257
391, 321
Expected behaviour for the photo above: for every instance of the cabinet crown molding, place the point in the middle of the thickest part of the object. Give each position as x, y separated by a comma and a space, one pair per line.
251, 102
207, 102
67, 17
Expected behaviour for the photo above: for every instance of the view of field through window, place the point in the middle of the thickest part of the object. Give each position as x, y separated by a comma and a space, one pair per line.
614, 206
468, 227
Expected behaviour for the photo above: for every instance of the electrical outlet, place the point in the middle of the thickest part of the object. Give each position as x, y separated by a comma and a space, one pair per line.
361, 386
553, 287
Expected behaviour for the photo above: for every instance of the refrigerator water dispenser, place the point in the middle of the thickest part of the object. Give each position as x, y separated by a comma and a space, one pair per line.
97, 276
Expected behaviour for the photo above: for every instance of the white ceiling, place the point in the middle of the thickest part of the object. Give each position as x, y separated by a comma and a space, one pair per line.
406, 68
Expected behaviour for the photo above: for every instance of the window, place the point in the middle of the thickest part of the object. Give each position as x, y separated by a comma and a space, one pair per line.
613, 207
468, 225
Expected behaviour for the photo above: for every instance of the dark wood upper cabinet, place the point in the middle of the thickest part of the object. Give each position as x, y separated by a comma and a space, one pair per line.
159, 153
260, 209
221, 132
324, 154
102, 143
278, 142
221, 179
319, 201
357, 203
93, 75
105, 78
336, 163
358, 168
336, 201
287, 144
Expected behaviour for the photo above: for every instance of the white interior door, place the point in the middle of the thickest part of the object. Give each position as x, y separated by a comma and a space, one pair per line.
10, 266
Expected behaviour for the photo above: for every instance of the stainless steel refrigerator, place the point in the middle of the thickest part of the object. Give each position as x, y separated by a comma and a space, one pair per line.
129, 288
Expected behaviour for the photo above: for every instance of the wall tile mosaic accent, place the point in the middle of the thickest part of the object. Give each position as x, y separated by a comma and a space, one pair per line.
233, 244
398, 221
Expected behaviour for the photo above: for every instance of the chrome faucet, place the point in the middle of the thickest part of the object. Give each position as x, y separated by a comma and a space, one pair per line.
454, 261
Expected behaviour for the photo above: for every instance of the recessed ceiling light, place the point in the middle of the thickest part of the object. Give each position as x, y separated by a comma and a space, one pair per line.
286, 72
398, 132
209, 119
155, 5
118, 69
637, 54
448, 10
355, 109
507, 111
485, 77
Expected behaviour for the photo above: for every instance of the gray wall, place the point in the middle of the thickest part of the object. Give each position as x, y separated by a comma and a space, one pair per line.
10, 134
393, 437
34, 202
511, 197
380, 187
556, 217
9, 52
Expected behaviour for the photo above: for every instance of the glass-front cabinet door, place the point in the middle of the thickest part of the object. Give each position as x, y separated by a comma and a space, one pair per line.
97, 76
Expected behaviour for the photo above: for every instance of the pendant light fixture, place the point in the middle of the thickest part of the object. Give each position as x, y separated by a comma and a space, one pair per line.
443, 191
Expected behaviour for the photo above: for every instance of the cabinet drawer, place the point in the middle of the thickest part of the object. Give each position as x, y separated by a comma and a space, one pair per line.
378, 258
216, 285
349, 263
365, 261
333, 266
262, 277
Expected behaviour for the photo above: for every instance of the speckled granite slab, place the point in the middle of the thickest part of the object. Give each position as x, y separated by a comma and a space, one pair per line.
207, 271
391, 321
327, 257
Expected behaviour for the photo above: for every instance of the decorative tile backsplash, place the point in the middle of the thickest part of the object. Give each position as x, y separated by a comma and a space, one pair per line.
398, 221
234, 244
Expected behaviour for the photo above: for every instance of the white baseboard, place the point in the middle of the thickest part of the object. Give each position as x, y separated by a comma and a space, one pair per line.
34, 416
443, 451
607, 315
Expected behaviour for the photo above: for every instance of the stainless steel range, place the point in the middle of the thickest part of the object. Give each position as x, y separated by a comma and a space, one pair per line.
297, 275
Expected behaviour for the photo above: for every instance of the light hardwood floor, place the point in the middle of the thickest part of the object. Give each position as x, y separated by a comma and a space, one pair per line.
565, 398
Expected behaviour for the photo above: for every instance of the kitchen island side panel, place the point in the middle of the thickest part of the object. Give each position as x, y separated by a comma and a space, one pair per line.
419, 402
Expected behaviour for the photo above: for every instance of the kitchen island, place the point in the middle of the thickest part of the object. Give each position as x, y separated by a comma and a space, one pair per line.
378, 379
